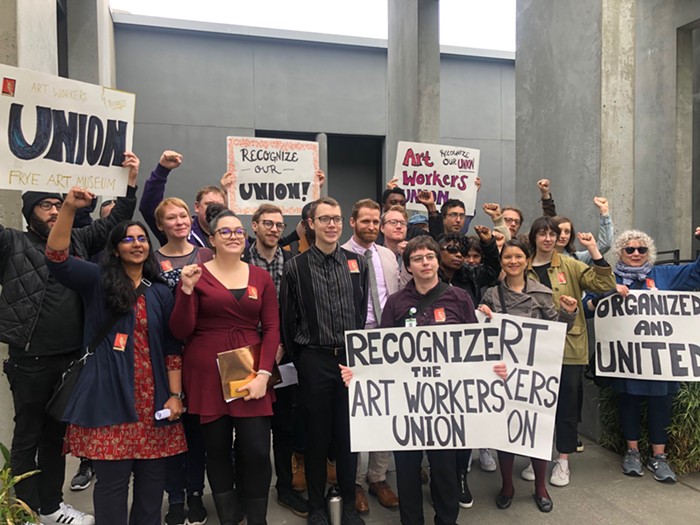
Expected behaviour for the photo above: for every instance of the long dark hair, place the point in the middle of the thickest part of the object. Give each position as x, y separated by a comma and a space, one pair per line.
119, 288
560, 219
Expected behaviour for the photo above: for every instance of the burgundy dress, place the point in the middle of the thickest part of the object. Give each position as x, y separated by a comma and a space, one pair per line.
211, 320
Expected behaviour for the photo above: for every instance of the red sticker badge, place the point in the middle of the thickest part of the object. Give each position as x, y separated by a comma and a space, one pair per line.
353, 266
253, 293
651, 285
166, 266
561, 278
8, 86
120, 342
439, 314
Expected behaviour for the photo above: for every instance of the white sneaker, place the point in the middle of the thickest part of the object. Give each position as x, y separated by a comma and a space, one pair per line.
560, 473
528, 474
67, 515
486, 461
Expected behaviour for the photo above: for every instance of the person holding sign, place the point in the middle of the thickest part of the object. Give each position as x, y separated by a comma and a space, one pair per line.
568, 276
634, 270
426, 301
519, 295
133, 372
222, 305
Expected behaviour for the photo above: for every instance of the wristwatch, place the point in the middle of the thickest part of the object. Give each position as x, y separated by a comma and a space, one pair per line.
179, 395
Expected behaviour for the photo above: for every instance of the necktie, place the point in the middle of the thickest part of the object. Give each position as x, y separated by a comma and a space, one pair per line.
373, 290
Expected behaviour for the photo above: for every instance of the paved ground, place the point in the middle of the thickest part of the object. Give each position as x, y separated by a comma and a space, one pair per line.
598, 494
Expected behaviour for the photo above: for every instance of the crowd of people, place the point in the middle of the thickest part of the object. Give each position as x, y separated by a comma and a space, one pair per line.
155, 320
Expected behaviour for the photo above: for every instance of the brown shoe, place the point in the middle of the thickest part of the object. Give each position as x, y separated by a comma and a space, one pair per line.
298, 472
331, 476
361, 505
382, 491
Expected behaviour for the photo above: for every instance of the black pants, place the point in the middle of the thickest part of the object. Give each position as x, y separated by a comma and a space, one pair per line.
186, 471
443, 486
111, 492
284, 425
659, 410
252, 455
328, 433
566, 423
37, 441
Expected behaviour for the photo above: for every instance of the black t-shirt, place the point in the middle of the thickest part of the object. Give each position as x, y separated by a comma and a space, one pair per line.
541, 272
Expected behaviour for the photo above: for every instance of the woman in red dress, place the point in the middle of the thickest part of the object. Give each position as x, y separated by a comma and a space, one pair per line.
222, 305
134, 371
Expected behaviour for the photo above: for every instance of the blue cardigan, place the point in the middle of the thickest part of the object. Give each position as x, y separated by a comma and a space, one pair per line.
104, 394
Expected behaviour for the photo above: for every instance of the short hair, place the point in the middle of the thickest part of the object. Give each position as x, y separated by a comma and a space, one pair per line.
560, 219
330, 201
516, 210
516, 243
419, 243
265, 208
389, 191
540, 224
159, 214
209, 189
474, 243
644, 239
364, 203
396, 208
451, 203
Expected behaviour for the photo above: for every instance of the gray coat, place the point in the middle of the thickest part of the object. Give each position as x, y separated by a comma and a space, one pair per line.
535, 302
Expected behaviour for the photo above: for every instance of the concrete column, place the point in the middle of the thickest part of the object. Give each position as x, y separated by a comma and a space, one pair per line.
413, 75
27, 40
90, 42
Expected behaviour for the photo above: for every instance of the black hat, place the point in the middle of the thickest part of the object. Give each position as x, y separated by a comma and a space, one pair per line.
32, 198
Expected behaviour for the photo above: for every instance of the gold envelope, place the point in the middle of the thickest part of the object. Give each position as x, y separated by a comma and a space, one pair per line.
238, 366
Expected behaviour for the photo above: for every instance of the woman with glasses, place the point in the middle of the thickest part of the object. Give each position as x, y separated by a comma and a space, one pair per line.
222, 305
567, 276
635, 252
133, 372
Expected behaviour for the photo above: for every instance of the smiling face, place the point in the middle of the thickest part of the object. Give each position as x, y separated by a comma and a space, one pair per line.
269, 237
327, 224
366, 226
395, 226
513, 261
176, 222
564, 234
229, 237
635, 258
133, 249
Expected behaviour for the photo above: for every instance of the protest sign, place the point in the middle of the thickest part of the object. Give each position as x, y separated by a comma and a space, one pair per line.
433, 387
448, 171
649, 335
59, 133
281, 172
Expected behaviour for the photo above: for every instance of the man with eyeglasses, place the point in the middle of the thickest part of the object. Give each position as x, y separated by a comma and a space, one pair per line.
42, 323
325, 293
265, 252
383, 281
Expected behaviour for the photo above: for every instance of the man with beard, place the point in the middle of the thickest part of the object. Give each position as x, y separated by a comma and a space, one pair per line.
268, 225
42, 323
383, 281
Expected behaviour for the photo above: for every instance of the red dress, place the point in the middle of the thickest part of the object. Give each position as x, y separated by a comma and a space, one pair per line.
211, 320
141, 439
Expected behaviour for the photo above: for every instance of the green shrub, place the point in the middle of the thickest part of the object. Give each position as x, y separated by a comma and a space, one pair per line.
684, 433
13, 510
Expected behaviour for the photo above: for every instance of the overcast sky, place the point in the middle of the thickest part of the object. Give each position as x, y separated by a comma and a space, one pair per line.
482, 24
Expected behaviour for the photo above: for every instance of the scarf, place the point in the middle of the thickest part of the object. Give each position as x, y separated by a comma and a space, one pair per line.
630, 274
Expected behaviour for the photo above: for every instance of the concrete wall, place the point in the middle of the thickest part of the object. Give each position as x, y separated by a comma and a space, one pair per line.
196, 87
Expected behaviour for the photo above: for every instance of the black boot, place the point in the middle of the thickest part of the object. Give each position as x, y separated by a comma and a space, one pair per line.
256, 511
225, 503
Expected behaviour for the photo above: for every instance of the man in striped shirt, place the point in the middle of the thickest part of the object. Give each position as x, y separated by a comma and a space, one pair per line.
324, 293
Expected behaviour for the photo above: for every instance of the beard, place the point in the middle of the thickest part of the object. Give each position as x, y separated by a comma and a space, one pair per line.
40, 227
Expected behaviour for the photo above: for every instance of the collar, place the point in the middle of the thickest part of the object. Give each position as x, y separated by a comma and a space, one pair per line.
555, 262
322, 257
359, 249
255, 253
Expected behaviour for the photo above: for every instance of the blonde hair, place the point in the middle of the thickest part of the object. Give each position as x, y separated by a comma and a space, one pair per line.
170, 201
624, 239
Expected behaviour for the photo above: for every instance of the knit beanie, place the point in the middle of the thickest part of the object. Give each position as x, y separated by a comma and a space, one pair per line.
32, 198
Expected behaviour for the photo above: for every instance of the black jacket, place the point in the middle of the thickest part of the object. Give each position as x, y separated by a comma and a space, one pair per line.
23, 270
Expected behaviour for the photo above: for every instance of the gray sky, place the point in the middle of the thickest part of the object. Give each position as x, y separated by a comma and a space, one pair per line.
482, 24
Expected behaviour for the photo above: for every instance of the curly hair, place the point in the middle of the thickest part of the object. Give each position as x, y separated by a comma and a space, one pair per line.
624, 239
